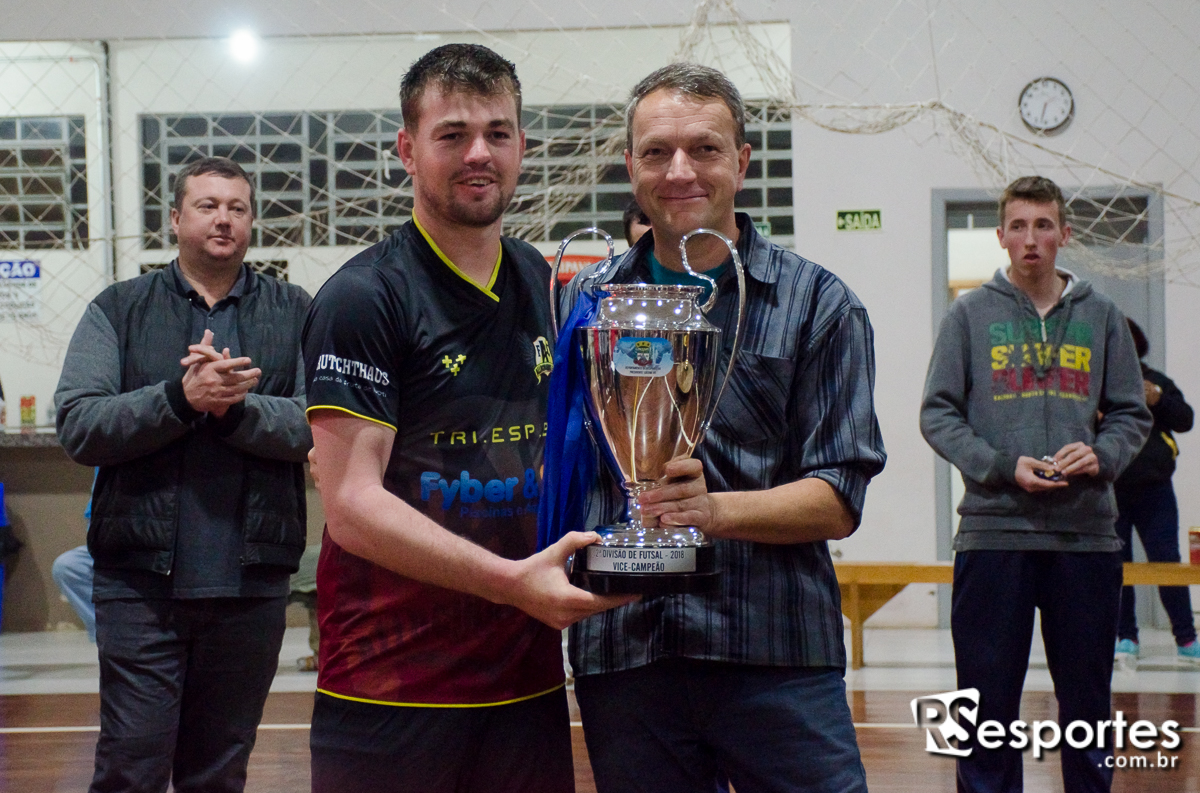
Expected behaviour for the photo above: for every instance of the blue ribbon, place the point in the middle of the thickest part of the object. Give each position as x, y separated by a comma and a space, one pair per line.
569, 461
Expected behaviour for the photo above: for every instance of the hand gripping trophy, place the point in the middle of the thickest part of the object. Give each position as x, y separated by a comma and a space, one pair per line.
650, 359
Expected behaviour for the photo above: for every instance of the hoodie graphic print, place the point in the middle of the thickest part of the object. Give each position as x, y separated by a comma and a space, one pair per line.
1005, 383
1024, 365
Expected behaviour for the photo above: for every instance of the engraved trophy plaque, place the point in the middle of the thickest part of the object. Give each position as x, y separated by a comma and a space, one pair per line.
650, 360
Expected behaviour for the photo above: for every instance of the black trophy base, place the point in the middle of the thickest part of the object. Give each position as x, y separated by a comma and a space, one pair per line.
704, 579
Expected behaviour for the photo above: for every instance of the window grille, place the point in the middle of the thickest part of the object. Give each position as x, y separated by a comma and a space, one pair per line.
333, 178
43, 183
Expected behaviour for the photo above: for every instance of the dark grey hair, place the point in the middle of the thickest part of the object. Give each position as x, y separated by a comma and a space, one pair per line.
693, 80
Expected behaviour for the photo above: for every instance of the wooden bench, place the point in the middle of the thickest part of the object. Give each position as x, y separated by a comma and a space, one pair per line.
868, 586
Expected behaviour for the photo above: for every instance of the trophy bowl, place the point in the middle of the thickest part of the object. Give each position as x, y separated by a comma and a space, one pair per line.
650, 358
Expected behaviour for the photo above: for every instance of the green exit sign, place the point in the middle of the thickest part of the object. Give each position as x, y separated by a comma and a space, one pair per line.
859, 220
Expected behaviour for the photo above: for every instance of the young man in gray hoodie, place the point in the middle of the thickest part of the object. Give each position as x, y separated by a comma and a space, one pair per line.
1034, 393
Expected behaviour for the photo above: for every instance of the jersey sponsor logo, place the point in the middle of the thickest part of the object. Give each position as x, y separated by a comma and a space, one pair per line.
353, 368
509, 434
470, 491
454, 364
543, 360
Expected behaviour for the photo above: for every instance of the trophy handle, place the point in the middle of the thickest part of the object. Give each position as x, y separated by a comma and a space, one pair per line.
600, 272
712, 299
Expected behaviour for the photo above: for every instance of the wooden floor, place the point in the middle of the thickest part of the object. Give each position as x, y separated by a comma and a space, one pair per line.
894, 756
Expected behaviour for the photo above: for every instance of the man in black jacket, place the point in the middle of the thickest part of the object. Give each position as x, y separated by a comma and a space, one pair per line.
1146, 499
185, 387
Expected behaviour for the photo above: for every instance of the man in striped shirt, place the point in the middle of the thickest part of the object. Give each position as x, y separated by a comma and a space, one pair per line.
680, 692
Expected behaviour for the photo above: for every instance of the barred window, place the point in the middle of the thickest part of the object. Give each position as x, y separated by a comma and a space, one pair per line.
575, 176
1094, 219
333, 178
574, 172
43, 183
320, 178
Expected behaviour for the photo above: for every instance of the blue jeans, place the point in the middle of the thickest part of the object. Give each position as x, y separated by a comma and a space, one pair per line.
994, 598
685, 726
182, 689
72, 571
1155, 513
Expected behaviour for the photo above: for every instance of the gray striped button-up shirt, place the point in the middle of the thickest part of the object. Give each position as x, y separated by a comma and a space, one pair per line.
799, 404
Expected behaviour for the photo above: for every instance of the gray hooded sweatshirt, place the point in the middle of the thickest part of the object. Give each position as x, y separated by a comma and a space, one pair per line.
1004, 383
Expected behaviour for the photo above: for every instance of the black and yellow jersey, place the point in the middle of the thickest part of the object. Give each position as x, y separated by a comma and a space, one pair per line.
398, 336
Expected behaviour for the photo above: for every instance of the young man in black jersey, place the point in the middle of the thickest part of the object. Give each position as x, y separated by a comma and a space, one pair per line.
427, 358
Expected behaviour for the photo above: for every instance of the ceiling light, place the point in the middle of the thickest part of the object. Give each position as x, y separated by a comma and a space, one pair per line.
243, 45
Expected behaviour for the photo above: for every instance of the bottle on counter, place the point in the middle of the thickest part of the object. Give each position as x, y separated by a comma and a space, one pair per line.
28, 413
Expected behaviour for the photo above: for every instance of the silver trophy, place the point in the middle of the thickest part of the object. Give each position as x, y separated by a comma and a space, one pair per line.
651, 359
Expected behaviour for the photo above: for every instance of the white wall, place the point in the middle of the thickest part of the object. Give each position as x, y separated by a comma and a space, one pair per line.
181, 75
53, 79
352, 73
1128, 68
151, 19
1132, 67
890, 272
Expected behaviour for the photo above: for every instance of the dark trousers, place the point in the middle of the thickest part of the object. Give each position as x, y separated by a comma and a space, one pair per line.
365, 747
1152, 509
685, 726
182, 688
994, 598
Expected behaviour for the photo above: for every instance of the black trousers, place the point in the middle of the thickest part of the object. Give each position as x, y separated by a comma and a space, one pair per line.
1153, 510
519, 747
994, 598
182, 688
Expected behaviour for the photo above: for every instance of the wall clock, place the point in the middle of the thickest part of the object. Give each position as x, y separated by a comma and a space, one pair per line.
1046, 105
